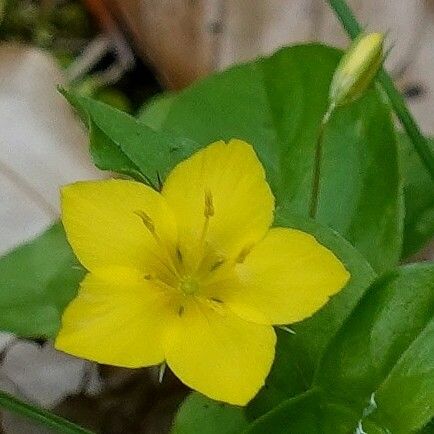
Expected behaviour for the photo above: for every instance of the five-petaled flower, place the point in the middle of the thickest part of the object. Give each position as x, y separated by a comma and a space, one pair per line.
192, 276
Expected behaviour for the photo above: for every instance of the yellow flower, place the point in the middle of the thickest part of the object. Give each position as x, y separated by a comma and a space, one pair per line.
193, 276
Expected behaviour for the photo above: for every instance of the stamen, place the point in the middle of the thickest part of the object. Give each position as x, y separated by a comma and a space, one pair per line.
149, 224
208, 212
147, 221
158, 282
209, 206
181, 310
217, 264
243, 254
179, 255
216, 300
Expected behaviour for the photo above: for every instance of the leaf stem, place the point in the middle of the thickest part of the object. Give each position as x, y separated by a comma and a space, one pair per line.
353, 28
39, 415
314, 198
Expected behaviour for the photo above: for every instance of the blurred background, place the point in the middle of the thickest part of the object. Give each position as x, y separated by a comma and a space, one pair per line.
124, 52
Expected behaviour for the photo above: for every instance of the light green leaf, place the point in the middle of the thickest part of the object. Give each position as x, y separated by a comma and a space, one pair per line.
120, 143
37, 281
155, 111
419, 198
276, 104
199, 414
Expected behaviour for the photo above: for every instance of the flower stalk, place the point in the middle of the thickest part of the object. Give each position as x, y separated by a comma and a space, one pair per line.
314, 198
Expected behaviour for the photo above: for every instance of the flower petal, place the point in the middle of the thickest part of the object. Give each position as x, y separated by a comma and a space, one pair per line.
219, 354
117, 319
287, 277
103, 228
234, 180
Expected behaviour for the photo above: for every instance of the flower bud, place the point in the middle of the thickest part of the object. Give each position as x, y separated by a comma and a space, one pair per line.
357, 69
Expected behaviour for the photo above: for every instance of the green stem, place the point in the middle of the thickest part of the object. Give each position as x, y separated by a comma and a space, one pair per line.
41, 416
314, 198
397, 101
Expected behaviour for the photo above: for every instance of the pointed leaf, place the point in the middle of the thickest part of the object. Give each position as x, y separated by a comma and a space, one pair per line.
121, 143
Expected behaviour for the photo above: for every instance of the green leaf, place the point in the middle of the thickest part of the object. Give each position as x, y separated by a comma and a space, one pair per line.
307, 413
276, 104
120, 143
379, 368
155, 111
200, 414
428, 429
419, 198
387, 349
37, 281
297, 356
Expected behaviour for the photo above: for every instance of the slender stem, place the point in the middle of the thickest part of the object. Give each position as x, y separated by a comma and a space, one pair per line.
397, 101
314, 199
41, 416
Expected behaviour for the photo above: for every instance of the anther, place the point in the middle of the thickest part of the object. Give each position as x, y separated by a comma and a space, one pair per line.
181, 310
209, 206
179, 255
216, 300
147, 221
217, 264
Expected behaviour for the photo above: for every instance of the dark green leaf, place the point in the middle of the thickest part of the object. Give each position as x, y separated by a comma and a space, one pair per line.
199, 414
120, 143
37, 281
419, 198
276, 104
428, 429
308, 414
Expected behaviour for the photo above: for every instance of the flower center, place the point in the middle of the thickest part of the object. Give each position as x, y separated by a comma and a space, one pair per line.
189, 286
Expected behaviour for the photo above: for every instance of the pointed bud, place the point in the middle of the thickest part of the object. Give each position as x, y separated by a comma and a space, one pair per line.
357, 69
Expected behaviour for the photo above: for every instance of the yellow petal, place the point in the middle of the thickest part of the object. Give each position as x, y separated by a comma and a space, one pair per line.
103, 228
231, 179
287, 277
116, 319
219, 354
